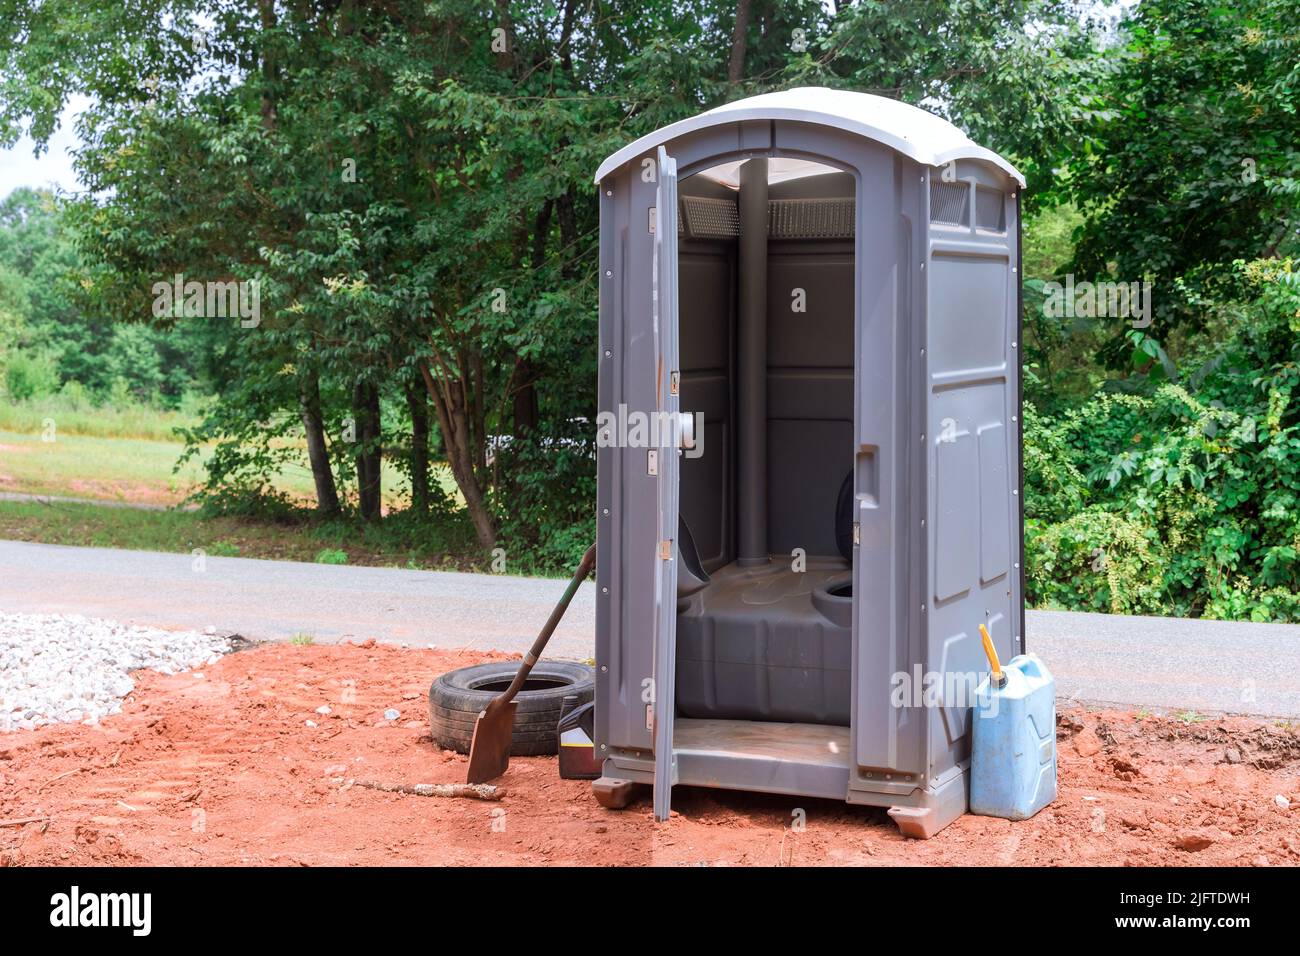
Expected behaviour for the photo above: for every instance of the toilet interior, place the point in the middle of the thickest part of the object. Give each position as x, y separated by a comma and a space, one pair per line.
764, 627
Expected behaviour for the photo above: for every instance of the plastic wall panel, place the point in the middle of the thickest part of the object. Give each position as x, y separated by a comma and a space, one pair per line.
968, 310
995, 509
707, 316
972, 398
809, 391
956, 535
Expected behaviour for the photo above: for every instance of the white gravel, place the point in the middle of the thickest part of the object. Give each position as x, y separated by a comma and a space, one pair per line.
62, 668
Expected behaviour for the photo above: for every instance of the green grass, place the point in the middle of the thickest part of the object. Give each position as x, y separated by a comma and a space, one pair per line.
302, 640
72, 417
399, 541
86, 466
87, 460
140, 470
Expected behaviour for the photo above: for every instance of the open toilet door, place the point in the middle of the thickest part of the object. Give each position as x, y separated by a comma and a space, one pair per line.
666, 463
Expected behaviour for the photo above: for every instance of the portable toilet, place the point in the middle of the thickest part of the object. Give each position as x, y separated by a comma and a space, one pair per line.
814, 295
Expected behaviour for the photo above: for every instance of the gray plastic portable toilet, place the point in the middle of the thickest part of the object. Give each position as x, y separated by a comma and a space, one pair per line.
818, 291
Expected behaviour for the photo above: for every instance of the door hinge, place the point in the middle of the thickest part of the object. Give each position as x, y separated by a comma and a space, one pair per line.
666, 549
857, 533
675, 383
653, 219
652, 461
650, 717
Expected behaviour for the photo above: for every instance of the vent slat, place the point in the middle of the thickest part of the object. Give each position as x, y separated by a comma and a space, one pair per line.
949, 203
707, 218
810, 218
711, 218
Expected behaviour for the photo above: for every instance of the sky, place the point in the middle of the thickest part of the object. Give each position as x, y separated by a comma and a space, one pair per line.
19, 166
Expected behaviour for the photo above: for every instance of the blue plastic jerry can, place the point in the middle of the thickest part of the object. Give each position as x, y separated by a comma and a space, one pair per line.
1013, 742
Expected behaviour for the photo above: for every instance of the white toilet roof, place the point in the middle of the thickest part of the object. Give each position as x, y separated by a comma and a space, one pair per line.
917, 134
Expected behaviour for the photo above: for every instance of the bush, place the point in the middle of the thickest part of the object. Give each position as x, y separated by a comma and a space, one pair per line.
29, 376
1183, 501
546, 510
75, 396
1095, 561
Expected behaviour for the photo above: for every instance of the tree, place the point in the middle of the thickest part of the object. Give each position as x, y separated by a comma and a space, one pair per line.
1193, 161
410, 185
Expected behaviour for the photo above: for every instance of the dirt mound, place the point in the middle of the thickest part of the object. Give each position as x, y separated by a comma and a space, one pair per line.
248, 762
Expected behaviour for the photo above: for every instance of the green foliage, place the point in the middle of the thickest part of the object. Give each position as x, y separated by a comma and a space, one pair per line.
1054, 486
1162, 468
551, 518
1189, 503
331, 556
1012, 73
1192, 155
414, 202
29, 375
44, 316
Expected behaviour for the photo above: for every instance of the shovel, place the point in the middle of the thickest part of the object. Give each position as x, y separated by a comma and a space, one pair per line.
489, 749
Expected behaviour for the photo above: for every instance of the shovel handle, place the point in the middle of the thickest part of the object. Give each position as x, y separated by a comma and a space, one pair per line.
539, 645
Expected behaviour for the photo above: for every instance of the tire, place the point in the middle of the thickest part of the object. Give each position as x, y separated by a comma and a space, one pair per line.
457, 697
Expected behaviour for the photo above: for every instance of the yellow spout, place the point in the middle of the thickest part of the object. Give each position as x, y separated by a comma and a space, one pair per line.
992, 654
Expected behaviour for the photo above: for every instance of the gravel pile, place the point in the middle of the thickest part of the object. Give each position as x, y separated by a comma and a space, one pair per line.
59, 668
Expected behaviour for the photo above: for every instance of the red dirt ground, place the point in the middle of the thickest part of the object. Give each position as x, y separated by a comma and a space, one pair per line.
222, 769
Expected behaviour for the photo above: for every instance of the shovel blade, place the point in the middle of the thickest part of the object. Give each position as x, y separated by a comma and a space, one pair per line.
489, 749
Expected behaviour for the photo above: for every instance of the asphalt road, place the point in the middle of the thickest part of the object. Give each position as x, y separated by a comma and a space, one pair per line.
276, 600
1141, 662
1166, 663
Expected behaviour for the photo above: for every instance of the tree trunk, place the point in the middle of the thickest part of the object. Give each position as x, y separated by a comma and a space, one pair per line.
365, 403
449, 401
739, 37
313, 425
566, 35
418, 403
270, 70
525, 411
